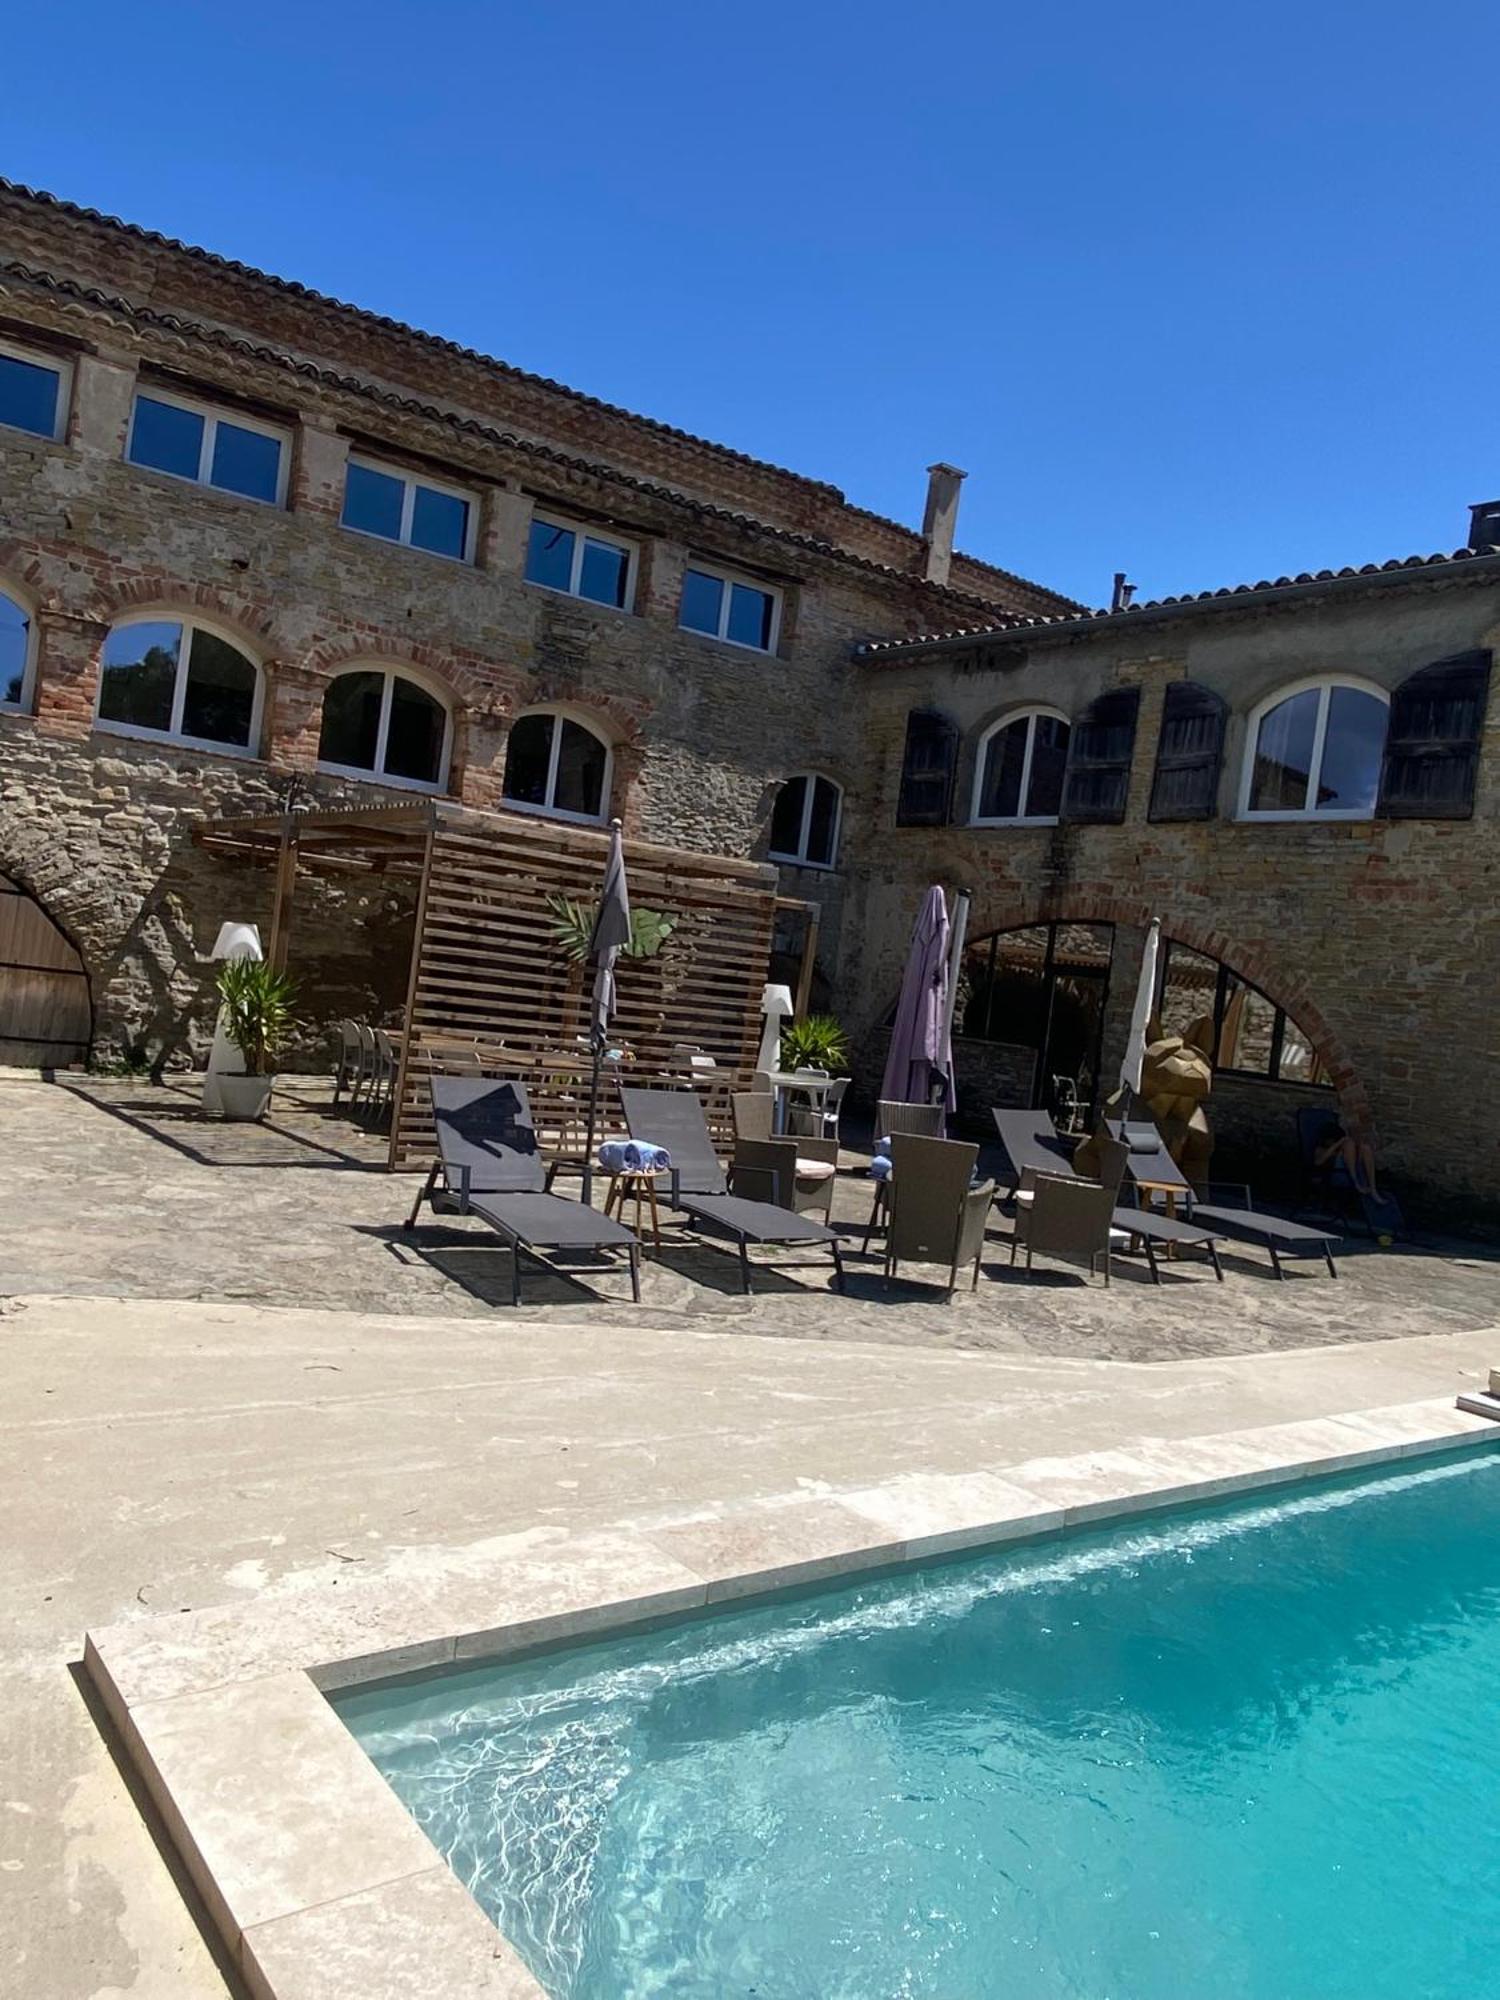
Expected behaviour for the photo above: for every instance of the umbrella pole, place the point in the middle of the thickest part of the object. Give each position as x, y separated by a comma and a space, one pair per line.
592, 1122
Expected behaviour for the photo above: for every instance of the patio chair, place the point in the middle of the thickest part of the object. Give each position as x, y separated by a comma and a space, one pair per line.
674, 1119
937, 1215
820, 1121
490, 1165
1067, 1217
891, 1116
1033, 1146
349, 1070
790, 1171
383, 1082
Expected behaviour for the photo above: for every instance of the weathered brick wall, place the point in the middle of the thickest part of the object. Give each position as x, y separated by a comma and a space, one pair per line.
1381, 939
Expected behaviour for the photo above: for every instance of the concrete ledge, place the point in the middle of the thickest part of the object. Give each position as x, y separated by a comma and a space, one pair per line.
319, 1880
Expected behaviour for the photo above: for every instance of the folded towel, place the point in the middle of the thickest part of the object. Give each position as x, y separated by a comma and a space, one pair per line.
634, 1156
880, 1167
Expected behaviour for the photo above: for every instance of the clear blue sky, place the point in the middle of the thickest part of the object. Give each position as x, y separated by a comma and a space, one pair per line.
1204, 293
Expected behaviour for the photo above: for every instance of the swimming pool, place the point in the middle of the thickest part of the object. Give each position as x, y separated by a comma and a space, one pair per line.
1237, 1752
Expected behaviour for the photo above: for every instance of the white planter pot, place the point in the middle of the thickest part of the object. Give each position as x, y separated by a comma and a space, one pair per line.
245, 1097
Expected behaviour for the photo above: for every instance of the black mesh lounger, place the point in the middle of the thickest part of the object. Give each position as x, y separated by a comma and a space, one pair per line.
1033, 1144
674, 1119
490, 1166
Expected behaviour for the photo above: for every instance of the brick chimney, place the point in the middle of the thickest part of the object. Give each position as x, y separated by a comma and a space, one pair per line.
1484, 525
938, 520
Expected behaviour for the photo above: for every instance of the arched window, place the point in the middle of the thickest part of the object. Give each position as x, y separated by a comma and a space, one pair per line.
179, 679
1315, 752
17, 652
378, 723
556, 765
1018, 780
805, 822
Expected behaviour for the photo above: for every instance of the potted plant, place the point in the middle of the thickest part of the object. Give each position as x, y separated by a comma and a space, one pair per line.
257, 1012
816, 1042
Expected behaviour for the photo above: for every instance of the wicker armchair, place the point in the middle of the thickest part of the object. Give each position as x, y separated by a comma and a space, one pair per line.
1065, 1217
791, 1172
937, 1215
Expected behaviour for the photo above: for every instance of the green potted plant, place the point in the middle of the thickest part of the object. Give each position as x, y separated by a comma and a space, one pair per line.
256, 1003
816, 1042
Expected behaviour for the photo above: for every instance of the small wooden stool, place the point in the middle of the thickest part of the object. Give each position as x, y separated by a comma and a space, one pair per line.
634, 1182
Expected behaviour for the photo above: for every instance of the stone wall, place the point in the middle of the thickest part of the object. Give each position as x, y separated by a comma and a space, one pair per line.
1380, 938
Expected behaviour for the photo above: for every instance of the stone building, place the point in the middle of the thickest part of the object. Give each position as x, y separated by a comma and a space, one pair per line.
261, 547
258, 545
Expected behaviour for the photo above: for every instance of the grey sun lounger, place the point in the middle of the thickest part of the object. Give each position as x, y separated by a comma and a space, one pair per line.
1235, 1219
1033, 1144
674, 1119
489, 1165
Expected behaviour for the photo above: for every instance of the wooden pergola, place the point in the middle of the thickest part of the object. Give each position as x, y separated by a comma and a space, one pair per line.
492, 975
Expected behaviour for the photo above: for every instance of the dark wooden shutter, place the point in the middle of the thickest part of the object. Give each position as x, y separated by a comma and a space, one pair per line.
1099, 753
927, 767
1432, 740
1189, 753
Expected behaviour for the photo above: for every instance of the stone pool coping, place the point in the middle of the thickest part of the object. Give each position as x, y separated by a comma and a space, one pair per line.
319, 1881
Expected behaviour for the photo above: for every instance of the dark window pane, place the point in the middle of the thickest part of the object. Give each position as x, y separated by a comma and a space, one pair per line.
821, 828
1000, 784
602, 578
1049, 760
440, 522
1353, 745
140, 675
549, 556
580, 772
786, 817
1248, 1030
219, 700
702, 597
351, 720
15, 637
166, 438
1283, 754
528, 757
750, 616
246, 462
28, 396
414, 740
372, 502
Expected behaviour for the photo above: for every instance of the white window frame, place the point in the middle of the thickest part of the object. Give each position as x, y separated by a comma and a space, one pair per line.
212, 415
730, 577
168, 615
802, 859
1030, 717
1326, 683
377, 775
410, 482
548, 810
63, 370
582, 534
22, 705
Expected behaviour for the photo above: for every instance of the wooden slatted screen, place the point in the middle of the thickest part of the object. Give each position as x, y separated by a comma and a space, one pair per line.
492, 984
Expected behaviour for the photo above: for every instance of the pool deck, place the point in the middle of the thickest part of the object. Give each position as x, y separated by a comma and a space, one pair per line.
172, 1450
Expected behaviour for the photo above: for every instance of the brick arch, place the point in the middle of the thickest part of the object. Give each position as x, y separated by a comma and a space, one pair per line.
1262, 970
20, 568
254, 623
619, 720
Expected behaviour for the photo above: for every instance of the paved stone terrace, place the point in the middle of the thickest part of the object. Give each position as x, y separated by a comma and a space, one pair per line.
121, 1188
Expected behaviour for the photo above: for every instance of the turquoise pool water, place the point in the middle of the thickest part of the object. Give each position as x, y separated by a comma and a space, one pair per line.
1246, 1754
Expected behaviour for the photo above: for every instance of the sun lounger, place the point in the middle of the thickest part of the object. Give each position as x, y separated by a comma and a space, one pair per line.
1033, 1146
674, 1119
489, 1165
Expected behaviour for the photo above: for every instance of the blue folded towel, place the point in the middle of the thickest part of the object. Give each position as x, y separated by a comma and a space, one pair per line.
880, 1167
634, 1156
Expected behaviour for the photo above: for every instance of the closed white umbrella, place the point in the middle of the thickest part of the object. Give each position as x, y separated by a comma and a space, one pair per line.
611, 934
1140, 1018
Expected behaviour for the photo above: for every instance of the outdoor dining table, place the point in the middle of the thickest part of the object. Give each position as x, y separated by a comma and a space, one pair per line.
784, 1082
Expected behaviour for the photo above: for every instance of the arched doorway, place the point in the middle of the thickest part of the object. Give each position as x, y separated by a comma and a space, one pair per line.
1030, 1012
46, 1015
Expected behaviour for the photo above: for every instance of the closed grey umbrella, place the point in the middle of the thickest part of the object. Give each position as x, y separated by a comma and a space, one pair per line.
610, 934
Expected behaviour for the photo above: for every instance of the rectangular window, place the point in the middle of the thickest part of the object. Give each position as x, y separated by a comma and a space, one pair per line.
31, 393
398, 507
579, 562
724, 607
193, 441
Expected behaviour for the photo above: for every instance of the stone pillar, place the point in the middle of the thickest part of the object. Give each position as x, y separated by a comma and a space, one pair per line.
293, 718
320, 458
67, 673
103, 390
478, 761
504, 530
659, 588
627, 795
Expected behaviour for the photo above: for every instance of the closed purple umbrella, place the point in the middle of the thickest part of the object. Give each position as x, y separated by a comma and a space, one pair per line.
921, 1051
